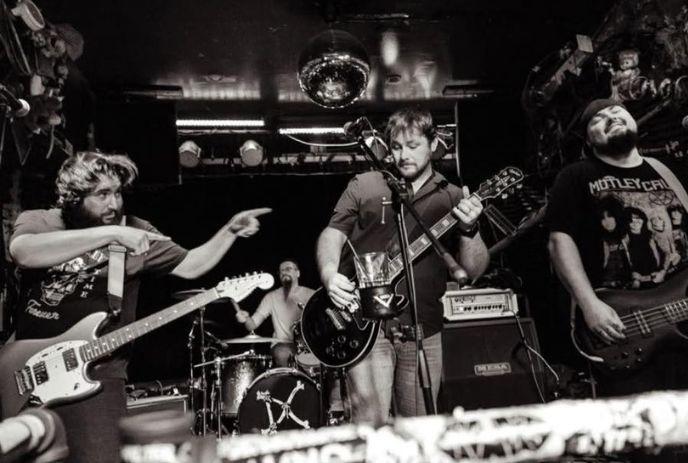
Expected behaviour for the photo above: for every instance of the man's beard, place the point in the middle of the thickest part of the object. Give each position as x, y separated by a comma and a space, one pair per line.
75, 216
287, 280
618, 145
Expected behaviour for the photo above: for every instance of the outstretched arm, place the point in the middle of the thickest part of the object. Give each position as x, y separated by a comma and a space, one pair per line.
206, 256
43, 250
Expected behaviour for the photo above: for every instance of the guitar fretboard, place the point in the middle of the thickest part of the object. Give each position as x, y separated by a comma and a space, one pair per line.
109, 342
396, 265
676, 311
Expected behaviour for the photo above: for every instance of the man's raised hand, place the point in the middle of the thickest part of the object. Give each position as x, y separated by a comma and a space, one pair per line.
245, 223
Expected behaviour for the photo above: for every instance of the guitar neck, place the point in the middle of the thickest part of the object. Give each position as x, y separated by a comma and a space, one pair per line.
109, 342
418, 247
676, 311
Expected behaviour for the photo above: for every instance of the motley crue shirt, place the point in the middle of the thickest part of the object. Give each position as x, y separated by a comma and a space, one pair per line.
54, 299
628, 224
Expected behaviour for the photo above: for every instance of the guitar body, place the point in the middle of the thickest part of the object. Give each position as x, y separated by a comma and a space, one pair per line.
650, 326
59, 374
336, 336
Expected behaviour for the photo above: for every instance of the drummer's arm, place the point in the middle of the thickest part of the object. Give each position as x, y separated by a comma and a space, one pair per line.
251, 322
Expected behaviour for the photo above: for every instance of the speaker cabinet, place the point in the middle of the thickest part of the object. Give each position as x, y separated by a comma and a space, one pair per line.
156, 404
486, 364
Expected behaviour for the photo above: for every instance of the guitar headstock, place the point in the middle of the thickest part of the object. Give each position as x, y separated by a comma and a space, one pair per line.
499, 183
240, 287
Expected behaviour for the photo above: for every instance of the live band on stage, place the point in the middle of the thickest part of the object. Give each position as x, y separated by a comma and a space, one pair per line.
390, 273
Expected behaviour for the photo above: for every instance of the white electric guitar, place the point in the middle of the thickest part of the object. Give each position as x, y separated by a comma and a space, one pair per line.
36, 372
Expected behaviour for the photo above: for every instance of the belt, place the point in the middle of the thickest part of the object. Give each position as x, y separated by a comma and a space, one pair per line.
396, 331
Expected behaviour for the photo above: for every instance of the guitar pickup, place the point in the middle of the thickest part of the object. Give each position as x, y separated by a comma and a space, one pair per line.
24, 380
336, 319
69, 359
40, 372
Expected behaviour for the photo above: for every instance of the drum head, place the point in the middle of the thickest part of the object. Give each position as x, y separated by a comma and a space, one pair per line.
237, 376
280, 399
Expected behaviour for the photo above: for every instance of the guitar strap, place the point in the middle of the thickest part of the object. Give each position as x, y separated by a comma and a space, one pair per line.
115, 286
671, 179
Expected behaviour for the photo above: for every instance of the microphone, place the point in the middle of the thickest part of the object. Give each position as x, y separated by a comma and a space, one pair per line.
19, 106
355, 128
35, 432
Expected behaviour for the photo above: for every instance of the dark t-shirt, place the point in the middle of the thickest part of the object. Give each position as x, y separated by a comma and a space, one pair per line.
55, 299
361, 215
628, 224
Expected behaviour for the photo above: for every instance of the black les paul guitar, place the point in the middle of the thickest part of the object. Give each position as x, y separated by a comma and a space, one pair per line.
339, 337
650, 316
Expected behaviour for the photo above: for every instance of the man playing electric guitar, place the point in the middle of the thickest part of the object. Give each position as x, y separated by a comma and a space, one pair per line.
63, 255
601, 214
364, 216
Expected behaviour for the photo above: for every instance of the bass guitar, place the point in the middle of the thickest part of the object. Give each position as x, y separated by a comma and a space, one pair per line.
38, 372
650, 316
339, 337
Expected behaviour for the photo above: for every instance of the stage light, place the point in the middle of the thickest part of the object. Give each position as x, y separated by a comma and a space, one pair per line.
189, 154
219, 123
334, 69
311, 131
251, 153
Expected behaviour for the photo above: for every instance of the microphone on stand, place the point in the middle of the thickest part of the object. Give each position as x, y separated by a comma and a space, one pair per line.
356, 127
19, 106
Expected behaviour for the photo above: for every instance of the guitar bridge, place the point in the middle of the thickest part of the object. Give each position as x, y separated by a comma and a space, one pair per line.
24, 380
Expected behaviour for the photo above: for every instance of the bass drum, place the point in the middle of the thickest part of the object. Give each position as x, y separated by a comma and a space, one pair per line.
304, 358
280, 399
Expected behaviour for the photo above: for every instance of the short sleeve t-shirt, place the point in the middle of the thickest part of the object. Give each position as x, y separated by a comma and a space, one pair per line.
285, 310
56, 298
628, 224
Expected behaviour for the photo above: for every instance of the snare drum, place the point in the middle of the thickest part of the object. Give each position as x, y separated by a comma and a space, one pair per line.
279, 399
237, 375
304, 358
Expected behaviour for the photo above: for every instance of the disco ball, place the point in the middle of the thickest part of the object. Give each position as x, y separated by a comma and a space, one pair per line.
334, 69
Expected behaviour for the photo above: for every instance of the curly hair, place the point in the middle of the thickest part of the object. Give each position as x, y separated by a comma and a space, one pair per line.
408, 119
80, 174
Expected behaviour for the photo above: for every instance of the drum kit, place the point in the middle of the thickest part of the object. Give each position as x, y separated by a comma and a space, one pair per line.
234, 393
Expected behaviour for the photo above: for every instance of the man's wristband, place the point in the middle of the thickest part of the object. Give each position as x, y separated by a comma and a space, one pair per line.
471, 232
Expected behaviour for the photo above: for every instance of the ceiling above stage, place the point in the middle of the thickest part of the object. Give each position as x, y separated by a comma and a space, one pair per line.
241, 56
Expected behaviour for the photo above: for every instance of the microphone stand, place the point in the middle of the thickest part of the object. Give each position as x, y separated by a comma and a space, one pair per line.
402, 203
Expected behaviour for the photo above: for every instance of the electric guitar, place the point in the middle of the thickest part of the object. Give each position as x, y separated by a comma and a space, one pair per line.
37, 372
339, 337
650, 316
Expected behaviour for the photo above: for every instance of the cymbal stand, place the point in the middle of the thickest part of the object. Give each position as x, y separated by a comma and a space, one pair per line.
199, 321
217, 365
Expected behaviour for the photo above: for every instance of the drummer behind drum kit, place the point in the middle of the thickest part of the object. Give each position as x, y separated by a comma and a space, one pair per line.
246, 394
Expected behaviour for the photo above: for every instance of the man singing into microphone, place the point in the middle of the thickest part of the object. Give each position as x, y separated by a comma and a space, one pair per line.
364, 216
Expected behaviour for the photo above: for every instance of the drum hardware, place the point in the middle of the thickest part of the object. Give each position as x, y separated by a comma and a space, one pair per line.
203, 386
250, 338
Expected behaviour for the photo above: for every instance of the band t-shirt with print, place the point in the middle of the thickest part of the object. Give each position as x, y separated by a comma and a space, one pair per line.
53, 300
629, 226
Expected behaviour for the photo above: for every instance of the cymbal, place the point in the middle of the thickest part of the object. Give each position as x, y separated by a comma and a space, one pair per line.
251, 338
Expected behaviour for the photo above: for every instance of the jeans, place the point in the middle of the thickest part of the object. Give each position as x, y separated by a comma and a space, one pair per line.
389, 371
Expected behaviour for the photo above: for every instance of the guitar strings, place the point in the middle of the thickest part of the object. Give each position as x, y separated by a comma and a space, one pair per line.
652, 317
